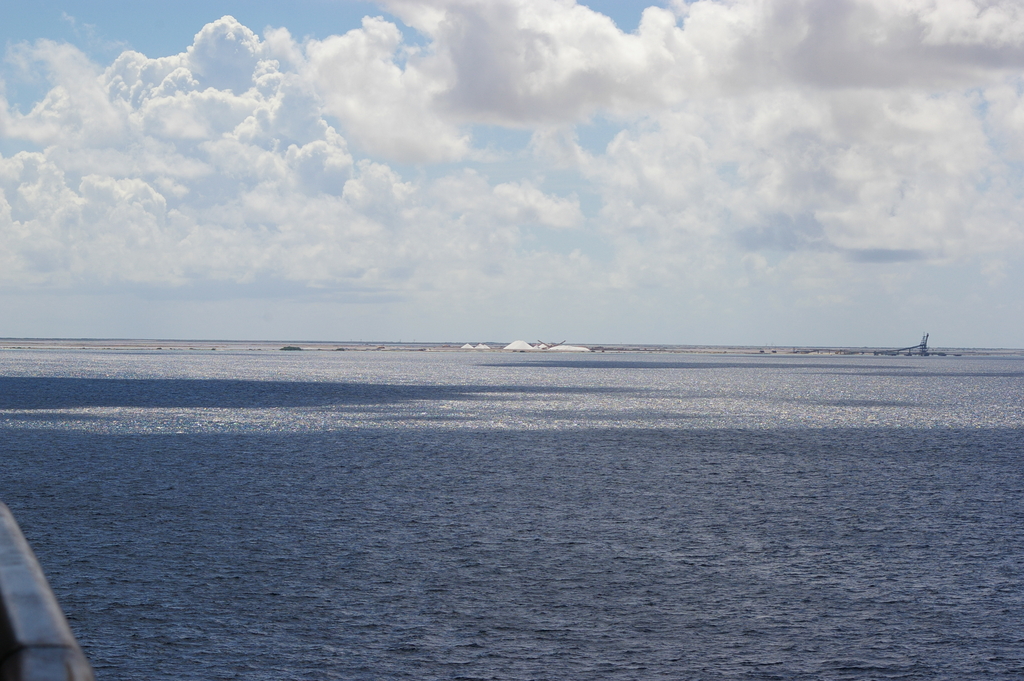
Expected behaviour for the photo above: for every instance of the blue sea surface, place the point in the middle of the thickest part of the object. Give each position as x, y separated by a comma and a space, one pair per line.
432, 515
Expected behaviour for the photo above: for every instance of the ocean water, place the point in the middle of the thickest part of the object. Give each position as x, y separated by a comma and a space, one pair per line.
420, 515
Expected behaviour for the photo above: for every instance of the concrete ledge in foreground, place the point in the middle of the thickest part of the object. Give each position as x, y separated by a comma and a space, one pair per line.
36, 643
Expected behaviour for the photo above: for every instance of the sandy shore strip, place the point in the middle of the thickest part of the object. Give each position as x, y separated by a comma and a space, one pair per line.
164, 345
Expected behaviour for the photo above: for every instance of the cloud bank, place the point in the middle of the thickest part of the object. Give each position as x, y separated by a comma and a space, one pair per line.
755, 151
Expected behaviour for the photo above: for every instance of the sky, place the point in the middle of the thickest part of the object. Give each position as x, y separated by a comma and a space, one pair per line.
748, 172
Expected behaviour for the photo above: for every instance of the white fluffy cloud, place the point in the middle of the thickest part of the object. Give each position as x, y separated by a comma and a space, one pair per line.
218, 163
798, 145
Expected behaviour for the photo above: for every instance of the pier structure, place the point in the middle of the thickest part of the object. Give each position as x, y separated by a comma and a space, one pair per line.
919, 349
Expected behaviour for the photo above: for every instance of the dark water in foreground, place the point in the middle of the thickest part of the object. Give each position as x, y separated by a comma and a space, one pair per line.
472, 516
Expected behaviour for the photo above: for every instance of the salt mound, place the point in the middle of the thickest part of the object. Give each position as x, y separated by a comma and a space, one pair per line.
482, 347
467, 346
519, 345
569, 348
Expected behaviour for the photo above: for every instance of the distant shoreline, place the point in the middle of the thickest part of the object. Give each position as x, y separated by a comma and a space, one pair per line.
125, 344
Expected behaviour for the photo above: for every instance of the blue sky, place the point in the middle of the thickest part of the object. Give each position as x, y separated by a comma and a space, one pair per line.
795, 173
103, 29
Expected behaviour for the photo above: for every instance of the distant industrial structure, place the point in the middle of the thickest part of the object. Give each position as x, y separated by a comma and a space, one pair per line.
921, 349
541, 346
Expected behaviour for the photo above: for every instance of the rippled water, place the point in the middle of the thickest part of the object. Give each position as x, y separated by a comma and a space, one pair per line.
326, 515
